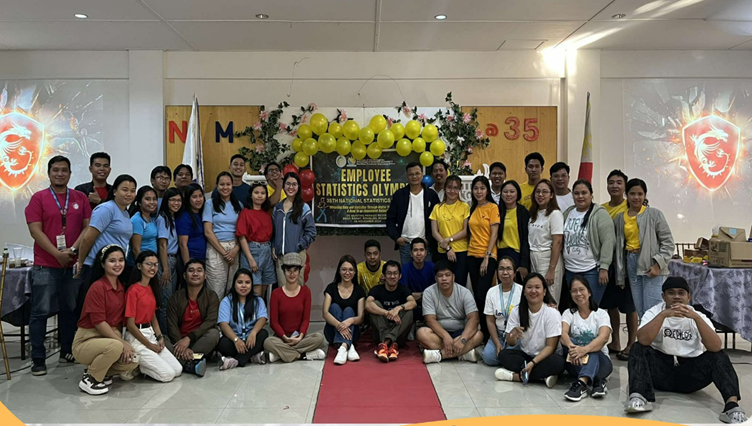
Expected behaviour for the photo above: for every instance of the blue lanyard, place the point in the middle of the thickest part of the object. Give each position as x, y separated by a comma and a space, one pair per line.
63, 211
505, 309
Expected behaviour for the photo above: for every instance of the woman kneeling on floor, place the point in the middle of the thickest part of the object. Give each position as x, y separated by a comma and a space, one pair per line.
142, 299
537, 328
290, 315
585, 329
98, 342
343, 310
242, 317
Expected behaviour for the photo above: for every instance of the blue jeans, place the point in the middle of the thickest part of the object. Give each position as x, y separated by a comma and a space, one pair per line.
599, 367
172, 262
332, 335
406, 254
262, 254
646, 292
46, 285
592, 278
489, 351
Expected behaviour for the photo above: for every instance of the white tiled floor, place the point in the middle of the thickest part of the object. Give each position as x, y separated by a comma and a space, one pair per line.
280, 393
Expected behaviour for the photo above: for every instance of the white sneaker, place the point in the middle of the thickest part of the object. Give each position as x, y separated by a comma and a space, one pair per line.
504, 375
91, 386
431, 355
273, 357
551, 380
129, 375
352, 354
318, 354
341, 357
637, 404
471, 356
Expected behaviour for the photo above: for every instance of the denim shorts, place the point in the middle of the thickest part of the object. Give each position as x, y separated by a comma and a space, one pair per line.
262, 254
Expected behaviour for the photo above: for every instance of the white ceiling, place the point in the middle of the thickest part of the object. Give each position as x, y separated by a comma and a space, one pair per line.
374, 25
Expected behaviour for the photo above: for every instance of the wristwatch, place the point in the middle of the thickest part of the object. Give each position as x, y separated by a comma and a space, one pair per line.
463, 340
235, 339
451, 240
74, 250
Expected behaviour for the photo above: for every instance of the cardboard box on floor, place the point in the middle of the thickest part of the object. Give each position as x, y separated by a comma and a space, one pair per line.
730, 249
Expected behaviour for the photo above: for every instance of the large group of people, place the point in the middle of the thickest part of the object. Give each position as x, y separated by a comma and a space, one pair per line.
160, 280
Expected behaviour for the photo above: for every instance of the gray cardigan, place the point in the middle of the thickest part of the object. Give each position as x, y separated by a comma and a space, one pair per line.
656, 243
600, 234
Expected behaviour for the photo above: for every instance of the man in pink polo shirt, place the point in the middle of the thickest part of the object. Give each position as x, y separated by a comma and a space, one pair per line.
56, 216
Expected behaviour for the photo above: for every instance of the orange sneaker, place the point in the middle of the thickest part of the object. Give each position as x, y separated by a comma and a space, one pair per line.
383, 352
393, 352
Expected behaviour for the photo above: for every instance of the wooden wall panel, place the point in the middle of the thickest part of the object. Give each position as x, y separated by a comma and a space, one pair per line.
498, 123
216, 154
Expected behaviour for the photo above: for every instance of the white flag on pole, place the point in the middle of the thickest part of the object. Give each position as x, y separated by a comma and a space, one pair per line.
193, 153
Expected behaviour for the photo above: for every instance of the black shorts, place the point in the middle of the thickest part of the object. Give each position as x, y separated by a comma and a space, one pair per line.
617, 297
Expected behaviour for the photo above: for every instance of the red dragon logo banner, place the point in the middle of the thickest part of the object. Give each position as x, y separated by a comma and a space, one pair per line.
21, 140
712, 147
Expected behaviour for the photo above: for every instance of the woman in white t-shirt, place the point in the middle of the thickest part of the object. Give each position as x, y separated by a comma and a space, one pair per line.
589, 239
500, 301
545, 235
536, 327
585, 330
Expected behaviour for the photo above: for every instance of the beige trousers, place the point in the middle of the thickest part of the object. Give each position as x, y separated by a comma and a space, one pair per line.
219, 273
288, 353
539, 262
101, 354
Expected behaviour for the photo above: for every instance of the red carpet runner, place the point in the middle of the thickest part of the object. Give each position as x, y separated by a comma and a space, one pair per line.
369, 391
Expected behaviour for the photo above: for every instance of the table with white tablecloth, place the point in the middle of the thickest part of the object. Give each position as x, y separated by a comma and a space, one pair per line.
725, 292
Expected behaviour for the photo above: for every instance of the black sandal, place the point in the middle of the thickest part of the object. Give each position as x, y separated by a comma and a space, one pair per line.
624, 356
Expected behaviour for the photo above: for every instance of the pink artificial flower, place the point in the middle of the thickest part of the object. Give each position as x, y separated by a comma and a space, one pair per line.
313, 105
293, 133
282, 127
479, 133
449, 118
467, 163
469, 150
389, 122
303, 119
406, 110
467, 118
257, 126
343, 116
422, 118
263, 115
262, 168
260, 148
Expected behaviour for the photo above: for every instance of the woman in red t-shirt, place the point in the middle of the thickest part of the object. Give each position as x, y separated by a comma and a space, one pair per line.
254, 231
141, 324
98, 341
290, 315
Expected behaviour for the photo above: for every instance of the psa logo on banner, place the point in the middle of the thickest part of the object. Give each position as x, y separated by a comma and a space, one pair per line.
21, 140
712, 146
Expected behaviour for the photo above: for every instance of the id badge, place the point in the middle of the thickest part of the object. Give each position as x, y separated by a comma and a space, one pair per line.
61, 244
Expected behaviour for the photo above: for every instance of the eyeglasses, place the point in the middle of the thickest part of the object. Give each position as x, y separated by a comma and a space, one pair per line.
506, 269
539, 192
392, 274
291, 184
578, 291
150, 264
162, 178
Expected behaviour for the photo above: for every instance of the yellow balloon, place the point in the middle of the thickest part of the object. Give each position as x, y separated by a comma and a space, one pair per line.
358, 150
310, 146
404, 147
378, 123
335, 129
426, 159
412, 129
386, 139
343, 146
301, 160
297, 145
366, 135
319, 123
399, 131
304, 132
419, 145
327, 143
438, 147
351, 130
374, 151
430, 133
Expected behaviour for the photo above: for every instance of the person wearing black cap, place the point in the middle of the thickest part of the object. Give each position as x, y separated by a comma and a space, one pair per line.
678, 350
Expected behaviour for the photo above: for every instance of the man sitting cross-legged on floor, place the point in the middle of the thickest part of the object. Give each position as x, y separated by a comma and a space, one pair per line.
192, 320
452, 320
391, 307
678, 350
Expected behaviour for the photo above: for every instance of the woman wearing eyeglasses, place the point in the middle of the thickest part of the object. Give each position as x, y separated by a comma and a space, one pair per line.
294, 229
546, 236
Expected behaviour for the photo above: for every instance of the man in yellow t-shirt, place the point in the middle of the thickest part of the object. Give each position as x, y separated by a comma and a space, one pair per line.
616, 183
369, 272
534, 163
273, 175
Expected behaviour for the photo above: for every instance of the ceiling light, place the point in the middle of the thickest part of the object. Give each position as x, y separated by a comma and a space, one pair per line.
262, 16
81, 15
619, 16
440, 17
